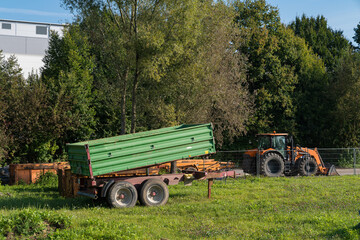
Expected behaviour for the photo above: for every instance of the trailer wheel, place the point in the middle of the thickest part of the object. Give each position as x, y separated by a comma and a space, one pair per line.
122, 194
308, 166
154, 192
272, 165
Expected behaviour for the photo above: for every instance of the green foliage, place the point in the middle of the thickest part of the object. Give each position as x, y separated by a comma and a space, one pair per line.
126, 66
346, 113
67, 75
153, 65
281, 67
25, 116
316, 99
47, 179
346, 159
329, 44
357, 34
3, 146
32, 223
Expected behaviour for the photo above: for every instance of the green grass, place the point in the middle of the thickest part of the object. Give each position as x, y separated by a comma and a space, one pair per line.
252, 208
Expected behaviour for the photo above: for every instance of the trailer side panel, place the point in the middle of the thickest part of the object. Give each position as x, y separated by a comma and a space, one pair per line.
140, 149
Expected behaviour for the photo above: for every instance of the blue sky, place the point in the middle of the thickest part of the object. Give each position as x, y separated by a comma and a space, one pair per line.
341, 14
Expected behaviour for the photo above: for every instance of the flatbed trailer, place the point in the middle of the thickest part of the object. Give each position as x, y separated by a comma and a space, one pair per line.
98, 164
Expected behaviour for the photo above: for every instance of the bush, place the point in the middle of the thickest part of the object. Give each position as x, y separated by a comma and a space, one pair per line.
47, 179
346, 158
31, 222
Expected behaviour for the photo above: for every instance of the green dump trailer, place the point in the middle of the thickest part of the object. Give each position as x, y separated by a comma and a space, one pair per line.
94, 161
125, 152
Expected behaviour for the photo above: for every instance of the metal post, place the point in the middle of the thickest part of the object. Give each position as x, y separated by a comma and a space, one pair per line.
354, 161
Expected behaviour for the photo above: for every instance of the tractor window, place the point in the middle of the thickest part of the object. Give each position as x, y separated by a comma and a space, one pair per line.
279, 144
264, 142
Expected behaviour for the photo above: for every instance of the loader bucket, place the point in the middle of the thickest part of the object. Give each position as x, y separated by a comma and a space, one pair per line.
332, 171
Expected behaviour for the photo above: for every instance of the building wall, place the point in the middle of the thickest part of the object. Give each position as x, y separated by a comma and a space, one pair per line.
28, 41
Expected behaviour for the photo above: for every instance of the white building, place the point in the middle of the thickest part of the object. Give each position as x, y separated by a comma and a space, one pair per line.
28, 41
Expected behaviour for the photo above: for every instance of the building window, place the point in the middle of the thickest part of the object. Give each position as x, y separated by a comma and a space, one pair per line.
6, 26
41, 30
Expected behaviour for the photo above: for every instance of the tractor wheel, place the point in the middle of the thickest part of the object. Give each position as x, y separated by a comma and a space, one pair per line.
249, 164
122, 194
308, 166
272, 165
154, 192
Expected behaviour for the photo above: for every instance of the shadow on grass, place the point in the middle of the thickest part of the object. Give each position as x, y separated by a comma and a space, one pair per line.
36, 189
43, 197
345, 233
178, 194
39, 202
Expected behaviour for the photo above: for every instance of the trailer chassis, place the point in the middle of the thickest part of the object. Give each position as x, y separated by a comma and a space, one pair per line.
124, 191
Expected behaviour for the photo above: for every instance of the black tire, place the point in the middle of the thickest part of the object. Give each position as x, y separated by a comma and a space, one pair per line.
272, 165
122, 194
307, 166
154, 192
249, 164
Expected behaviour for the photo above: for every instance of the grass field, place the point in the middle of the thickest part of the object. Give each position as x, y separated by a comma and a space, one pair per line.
252, 208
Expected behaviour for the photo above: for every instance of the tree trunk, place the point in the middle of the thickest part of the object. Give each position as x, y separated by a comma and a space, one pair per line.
123, 103
134, 90
136, 75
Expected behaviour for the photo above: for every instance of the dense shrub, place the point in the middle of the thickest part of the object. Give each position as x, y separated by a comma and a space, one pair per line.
32, 223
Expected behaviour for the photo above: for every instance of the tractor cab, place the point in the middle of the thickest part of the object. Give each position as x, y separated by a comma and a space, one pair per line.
281, 142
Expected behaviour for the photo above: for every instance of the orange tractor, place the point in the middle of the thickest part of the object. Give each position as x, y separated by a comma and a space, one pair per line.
277, 155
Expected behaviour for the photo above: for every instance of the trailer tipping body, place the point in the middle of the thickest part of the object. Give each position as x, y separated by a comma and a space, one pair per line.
125, 152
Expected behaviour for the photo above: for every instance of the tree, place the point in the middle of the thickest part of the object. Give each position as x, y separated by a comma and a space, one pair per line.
131, 34
271, 81
329, 44
357, 34
154, 56
24, 117
282, 71
67, 76
10, 82
205, 83
4, 139
346, 117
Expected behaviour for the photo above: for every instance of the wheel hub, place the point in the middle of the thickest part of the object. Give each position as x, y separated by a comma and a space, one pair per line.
124, 197
155, 194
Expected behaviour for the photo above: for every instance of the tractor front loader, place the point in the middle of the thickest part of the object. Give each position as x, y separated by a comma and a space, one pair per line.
277, 155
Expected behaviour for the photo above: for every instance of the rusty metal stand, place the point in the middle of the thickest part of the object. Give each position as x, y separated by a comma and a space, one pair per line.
210, 183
